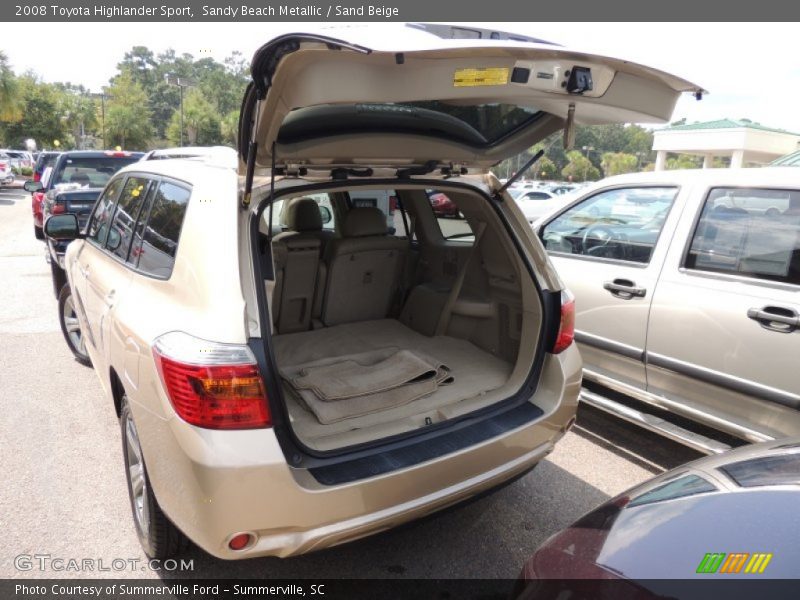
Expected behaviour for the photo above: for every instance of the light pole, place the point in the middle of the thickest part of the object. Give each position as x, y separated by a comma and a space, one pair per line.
587, 150
181, 82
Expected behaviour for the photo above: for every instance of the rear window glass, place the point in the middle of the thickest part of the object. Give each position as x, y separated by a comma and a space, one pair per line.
492, 121
477, 125
156, 255
91, 172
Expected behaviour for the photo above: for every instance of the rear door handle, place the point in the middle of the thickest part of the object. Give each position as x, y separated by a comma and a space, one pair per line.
625, 289
775, 318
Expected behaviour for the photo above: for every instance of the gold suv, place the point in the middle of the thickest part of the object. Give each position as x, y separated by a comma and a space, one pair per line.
302, 353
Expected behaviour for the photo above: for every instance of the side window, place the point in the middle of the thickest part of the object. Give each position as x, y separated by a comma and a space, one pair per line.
749, 232
101, 217
128, 206
452, 224
621, 224
159, 239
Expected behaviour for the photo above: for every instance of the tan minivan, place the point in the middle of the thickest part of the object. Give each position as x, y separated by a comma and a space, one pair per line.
288, 374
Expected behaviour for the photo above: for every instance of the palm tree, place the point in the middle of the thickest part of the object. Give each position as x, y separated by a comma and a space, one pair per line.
10, 102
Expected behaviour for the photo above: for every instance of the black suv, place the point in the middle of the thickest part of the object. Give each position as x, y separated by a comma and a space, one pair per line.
73, 186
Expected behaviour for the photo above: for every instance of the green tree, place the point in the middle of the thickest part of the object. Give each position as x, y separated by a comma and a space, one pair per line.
10, 99
546, 169
617, 163
579, 168
229, 128
43, 118
79, 113
127, 115
201, 122
683, 161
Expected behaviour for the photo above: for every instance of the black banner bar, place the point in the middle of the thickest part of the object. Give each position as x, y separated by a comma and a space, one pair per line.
395, 10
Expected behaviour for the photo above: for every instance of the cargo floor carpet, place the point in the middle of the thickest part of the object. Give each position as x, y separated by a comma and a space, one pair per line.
474, 372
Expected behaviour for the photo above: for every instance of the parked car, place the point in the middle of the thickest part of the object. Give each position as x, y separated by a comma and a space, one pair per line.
44, 160
6, 174
442, 205
77, 169
730, 516
222, 154
562, 189
279, 394
687, 287
535, 203
19, 159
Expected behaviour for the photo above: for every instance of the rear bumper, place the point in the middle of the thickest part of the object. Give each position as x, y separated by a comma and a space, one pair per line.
216, 484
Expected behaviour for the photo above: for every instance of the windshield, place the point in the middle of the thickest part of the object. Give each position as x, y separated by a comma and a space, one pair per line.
91, 172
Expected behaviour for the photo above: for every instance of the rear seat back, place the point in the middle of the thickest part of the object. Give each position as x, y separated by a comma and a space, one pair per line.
297, 260
363, 269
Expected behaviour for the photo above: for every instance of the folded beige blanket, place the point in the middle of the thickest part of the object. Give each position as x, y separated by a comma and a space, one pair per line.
361, 384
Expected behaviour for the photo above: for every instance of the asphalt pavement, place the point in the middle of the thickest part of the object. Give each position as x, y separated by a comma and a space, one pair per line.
63, 492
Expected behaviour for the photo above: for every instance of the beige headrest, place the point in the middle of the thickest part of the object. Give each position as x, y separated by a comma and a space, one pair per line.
363, 222
302, 214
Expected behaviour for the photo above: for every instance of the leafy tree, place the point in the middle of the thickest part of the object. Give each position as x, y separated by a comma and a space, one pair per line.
127, 114
10, 101
79, 112
617, 163
579, 168
42, 115
546, 169
201, 122
229, 128
683, 161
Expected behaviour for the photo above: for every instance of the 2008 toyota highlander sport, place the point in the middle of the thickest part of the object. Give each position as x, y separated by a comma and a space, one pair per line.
296, 364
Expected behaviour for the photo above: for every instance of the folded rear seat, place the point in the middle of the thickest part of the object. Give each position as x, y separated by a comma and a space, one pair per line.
297, 260
363, 269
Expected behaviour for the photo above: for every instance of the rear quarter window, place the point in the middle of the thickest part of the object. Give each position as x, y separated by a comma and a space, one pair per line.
156, 240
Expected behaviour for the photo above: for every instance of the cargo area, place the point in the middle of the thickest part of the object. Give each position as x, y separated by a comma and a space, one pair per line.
394, 310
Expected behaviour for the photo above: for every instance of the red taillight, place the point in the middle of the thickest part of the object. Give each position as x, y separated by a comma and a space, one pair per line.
566, 328
214, 396
37, 176
117, 153
58, 209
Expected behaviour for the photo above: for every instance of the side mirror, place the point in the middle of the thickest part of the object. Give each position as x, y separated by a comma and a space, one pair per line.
62, 227
326, 215
32, 186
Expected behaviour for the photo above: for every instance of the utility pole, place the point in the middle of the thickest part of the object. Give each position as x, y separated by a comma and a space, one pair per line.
181, 82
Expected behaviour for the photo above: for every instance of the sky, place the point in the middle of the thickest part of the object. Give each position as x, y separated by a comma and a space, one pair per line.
750, 70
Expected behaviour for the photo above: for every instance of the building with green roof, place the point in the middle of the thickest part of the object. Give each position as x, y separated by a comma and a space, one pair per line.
745, 142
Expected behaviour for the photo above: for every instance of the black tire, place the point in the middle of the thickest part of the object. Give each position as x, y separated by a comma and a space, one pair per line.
159, 538
38, 232
68, 319
59, 277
